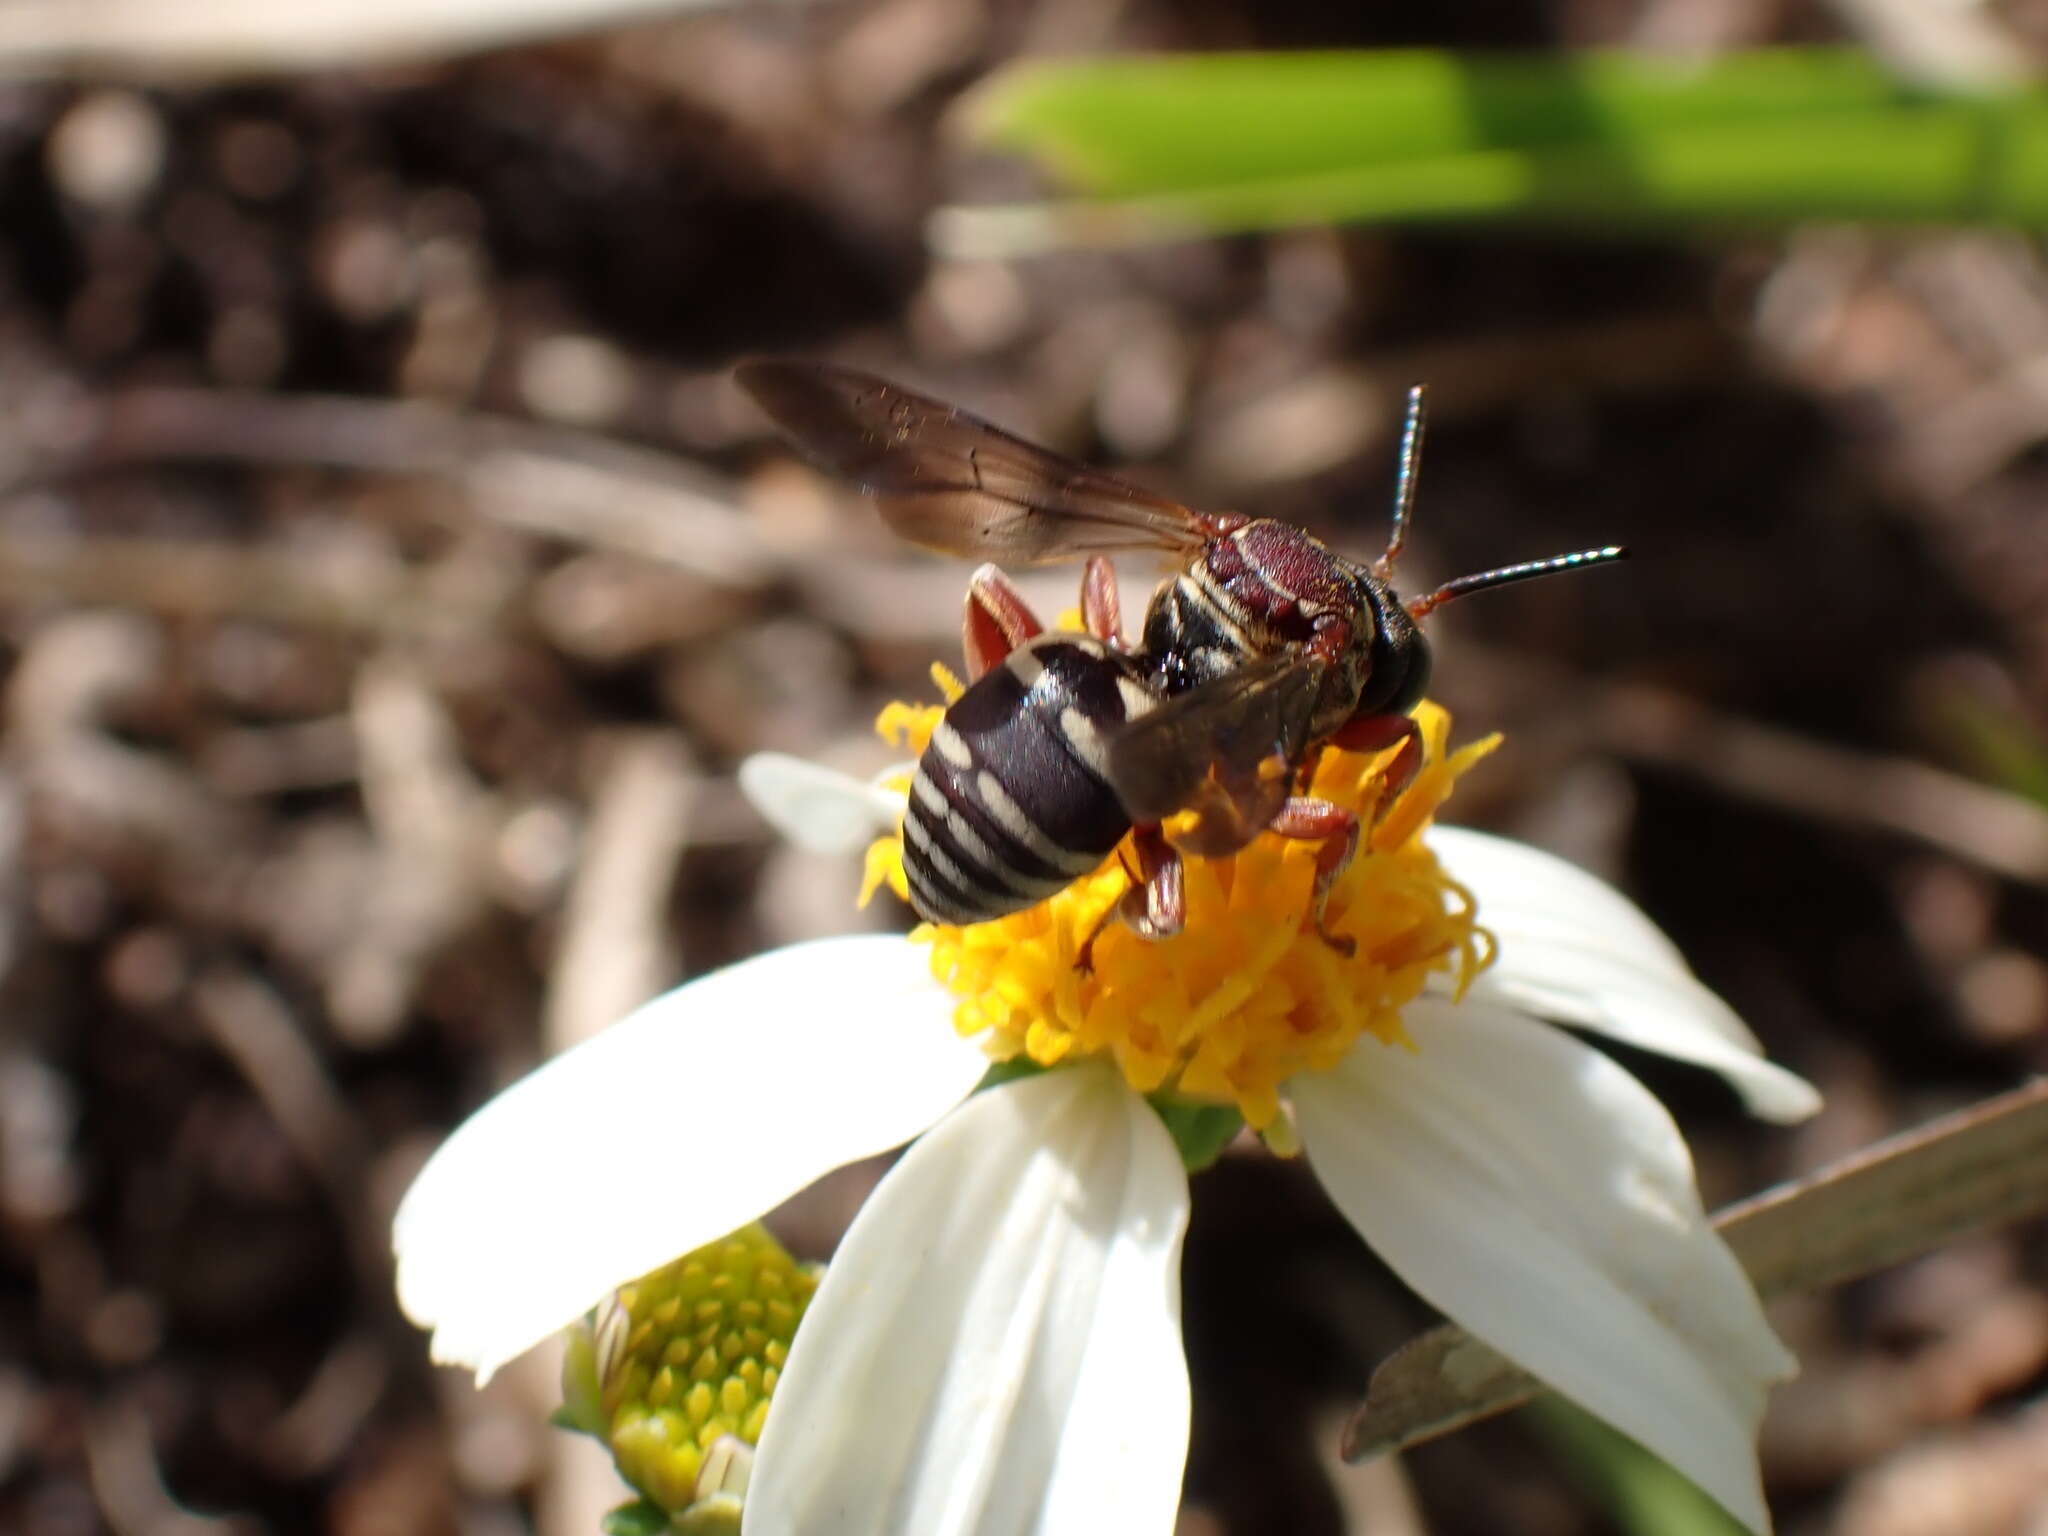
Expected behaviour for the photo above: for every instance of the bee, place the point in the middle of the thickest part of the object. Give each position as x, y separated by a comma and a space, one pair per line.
1266, 647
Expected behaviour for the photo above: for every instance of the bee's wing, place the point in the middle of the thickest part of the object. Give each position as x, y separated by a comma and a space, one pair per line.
1226, 749
950, 481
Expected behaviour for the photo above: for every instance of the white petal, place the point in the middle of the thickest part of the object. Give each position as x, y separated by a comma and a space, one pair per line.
1672, 1021
1574, 949
687, 1119
1542, 897
996, 1347
1540, 1196
816, 807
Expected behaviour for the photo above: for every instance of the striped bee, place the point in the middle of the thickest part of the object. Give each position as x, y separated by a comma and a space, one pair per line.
1267, 646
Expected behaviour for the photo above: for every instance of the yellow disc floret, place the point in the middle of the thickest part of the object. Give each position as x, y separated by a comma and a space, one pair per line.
675, 1368
1247, 995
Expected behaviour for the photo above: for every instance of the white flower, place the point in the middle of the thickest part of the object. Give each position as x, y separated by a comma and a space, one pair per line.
996, 1346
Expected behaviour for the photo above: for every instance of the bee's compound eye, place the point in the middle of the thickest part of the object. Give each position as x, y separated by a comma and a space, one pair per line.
1400, 662
1413, 686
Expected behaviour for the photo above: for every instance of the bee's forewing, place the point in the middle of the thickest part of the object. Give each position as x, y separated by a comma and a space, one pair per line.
948, 480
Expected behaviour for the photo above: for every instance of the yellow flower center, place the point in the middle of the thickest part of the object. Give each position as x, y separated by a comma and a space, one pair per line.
1247, 995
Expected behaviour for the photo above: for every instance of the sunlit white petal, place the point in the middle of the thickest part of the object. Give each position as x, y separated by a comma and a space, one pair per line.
1539, 1195
816, 807
688, 1118
1542, 898
1671, 1020
995, 1350
1574, 949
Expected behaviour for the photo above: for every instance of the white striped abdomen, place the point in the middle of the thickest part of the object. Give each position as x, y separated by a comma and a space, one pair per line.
1009, 803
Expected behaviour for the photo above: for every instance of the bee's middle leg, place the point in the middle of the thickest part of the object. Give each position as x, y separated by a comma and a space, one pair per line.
998, 620
1336, 829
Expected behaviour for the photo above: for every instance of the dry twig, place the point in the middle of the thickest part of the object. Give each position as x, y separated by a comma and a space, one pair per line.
255, 1030
128, 1483
207, 38
1954, 815
434, 825
617, 949
570, 485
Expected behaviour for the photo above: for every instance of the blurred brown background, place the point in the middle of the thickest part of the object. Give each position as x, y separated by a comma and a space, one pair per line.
390, 580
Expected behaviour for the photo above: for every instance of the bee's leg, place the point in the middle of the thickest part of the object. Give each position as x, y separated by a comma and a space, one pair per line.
1158, 908
998, 620
1101, 612
1337, 830
1311, 760
1375, 733
1156, 904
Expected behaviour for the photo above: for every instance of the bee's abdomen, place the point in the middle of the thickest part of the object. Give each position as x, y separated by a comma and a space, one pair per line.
1009, 805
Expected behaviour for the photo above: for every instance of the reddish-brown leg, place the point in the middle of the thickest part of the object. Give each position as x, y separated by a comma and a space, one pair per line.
1375, 733
1101, 611
1337, 830
998, 620
1155, 906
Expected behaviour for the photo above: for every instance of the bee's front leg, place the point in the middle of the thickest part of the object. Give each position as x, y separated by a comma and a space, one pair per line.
1155, 906
998, 620
1337, 830
1376, 733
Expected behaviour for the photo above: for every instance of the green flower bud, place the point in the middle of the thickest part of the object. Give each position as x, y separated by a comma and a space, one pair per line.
675, 1372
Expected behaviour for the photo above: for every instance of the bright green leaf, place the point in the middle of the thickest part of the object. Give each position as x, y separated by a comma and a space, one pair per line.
1175, 148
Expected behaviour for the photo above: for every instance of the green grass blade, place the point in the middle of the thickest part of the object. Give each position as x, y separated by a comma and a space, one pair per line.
1121, 127
1937, 162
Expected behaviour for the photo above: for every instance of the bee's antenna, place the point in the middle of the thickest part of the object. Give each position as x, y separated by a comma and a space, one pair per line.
1404, 483
1466, 585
